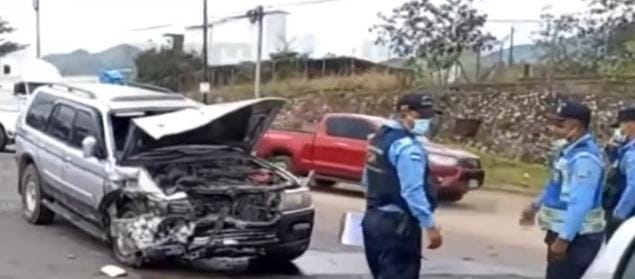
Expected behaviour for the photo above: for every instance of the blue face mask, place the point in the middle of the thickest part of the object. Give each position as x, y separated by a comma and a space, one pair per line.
421, 127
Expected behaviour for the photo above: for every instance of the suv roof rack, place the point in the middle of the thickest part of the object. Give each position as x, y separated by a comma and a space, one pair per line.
73, 89
148, 86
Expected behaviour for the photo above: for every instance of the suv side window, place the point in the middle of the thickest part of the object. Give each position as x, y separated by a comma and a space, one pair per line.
60, 123
351, 128
39, 111
87, 124
83, 127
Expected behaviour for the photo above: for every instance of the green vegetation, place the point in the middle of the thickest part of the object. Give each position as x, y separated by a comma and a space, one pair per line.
512, 175
6, 46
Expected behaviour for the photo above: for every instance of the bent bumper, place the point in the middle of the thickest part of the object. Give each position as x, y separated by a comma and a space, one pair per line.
459, 181
292, 231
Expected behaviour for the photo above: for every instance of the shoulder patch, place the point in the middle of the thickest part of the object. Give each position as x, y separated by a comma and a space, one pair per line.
416, 157
583, 174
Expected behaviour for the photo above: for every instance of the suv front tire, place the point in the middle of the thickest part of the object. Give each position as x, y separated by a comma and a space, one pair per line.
32, 208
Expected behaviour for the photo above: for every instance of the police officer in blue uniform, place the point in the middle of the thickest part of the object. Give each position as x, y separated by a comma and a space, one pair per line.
570, 208
400, 201
623, 180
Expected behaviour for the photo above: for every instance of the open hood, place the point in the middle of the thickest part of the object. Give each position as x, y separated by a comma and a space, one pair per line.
237, 124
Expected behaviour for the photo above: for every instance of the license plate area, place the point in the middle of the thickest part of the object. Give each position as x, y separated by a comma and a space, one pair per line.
473, 183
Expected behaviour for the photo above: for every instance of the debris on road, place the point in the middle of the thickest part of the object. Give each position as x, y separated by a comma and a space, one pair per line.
113, 271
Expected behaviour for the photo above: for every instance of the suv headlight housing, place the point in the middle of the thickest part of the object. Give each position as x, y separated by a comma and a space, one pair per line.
296, 199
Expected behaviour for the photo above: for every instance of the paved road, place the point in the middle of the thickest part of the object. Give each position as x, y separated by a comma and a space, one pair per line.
482, 241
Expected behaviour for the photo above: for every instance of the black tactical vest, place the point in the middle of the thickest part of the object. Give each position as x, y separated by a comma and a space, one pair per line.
381, 176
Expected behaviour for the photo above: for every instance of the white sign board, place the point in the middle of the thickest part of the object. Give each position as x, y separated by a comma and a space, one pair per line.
203, 87
351, 230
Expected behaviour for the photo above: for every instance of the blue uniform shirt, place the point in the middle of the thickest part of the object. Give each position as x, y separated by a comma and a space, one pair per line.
626, 205
410, 159
575, 185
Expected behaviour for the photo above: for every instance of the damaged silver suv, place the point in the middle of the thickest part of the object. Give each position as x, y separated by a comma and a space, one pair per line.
159, 176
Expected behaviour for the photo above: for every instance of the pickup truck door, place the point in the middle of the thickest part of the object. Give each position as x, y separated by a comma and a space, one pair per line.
340, 149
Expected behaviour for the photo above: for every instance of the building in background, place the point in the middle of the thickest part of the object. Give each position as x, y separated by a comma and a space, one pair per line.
374, 52
305, 44
230, 53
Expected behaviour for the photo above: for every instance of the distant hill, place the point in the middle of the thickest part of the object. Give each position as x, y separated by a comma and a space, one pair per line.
81, 62
522, 53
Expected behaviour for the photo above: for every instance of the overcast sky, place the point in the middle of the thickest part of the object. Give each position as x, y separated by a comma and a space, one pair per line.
339, 26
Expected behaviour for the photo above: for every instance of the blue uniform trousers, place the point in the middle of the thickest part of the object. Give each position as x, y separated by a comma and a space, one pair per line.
582, 251
392, 244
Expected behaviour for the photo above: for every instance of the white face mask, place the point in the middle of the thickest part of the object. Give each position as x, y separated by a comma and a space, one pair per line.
559, 144
618, 137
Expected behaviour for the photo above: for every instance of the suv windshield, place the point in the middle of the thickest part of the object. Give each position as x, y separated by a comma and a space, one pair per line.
121, 126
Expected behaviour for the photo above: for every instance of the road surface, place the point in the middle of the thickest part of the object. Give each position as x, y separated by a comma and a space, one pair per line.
482, 240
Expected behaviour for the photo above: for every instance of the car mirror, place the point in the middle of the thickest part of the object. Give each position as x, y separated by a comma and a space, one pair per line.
88, 146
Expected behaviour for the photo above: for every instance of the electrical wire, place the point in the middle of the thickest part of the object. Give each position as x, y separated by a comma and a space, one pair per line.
301, 3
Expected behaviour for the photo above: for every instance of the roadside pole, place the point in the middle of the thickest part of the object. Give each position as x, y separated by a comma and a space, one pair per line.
36, 7
204, 86
260, 16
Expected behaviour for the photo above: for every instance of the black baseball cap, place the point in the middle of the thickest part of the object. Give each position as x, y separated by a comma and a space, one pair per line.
627, 114
573, 110
420, 102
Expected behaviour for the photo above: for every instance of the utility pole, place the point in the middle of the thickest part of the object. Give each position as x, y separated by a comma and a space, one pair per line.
511, 47
36, 7
477, 78
257, 16
204, 87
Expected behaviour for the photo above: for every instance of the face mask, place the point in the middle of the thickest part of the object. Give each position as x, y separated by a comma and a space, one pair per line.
421, 127
618, 137
559, 144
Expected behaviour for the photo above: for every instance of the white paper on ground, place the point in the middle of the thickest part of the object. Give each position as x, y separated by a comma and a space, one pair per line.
351, 229
113, 271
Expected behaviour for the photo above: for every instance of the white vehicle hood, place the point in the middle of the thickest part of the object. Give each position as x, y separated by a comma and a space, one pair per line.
253, 117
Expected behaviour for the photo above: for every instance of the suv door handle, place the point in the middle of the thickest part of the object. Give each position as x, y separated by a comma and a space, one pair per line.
67, 159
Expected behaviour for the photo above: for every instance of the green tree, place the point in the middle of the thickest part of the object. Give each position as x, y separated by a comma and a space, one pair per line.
590, 42
7, 46
434, 35
164, 66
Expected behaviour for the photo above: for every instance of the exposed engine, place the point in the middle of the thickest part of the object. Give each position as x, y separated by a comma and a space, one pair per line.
233, 187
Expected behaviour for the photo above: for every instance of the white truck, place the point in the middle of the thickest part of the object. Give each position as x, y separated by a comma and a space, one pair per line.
18, 80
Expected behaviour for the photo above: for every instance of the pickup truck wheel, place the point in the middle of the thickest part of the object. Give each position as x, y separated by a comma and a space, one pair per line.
284, 162
33, 210
324, 183
4, 139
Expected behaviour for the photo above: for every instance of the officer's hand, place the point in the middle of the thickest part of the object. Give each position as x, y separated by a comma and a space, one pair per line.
558, 249
435, 240
528, 216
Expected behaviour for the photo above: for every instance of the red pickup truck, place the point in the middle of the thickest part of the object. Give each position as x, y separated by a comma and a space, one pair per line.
337, 152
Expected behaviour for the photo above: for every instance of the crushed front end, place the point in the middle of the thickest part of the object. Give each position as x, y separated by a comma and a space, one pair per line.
224, 207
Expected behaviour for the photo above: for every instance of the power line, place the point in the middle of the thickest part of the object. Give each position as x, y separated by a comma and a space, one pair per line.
302, 3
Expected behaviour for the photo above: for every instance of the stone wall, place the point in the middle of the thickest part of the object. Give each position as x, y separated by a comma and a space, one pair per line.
512, 124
